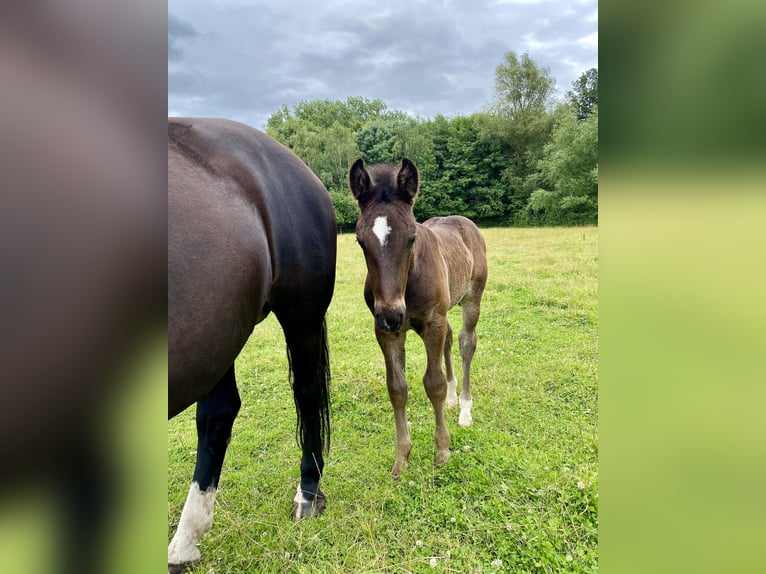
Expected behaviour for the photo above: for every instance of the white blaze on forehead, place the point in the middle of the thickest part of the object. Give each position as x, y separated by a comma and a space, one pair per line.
381, 229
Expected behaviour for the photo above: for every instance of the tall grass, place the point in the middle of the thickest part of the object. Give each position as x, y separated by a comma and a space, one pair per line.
520, 493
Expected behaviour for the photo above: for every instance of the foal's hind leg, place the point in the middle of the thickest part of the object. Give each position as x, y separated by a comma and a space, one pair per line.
468, 339
451, 400
309, 362
215, 416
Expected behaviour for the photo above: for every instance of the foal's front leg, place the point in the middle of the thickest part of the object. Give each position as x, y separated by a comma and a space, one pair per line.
392, 345
435, 382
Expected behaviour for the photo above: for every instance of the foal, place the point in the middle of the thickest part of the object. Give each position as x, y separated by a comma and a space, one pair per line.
415, 274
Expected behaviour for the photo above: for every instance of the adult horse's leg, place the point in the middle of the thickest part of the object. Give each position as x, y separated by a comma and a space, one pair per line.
451, 380
392, 345
310, 368
215, 416
87, 486
467, 340
436, 384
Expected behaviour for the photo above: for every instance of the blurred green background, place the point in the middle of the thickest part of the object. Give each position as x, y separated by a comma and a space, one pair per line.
682, 259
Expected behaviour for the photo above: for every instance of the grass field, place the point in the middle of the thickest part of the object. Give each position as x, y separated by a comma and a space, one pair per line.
520, 493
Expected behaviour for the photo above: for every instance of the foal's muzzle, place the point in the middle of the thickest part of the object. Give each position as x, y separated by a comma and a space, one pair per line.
389, 318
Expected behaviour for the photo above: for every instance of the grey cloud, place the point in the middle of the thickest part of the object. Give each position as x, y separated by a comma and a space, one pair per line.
178, 32
244, 59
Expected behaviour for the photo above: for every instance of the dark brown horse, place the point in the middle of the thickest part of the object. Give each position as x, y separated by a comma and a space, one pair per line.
250, 230
415, 274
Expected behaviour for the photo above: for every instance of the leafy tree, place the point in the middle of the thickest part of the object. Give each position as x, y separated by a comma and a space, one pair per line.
346, 209
339, 150
521, 160
521, 86
570, 165
376, 142
584, 93
353, 113
519, 117
321, 133
464, 172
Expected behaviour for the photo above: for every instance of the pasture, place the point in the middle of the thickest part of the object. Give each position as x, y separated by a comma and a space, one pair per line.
520, 493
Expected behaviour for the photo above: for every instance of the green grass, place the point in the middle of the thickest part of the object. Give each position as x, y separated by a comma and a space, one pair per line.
520, 493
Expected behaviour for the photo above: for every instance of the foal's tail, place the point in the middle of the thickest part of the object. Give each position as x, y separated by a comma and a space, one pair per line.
314, 398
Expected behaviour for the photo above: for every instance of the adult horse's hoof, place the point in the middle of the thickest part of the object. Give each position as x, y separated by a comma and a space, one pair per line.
179, 568
307, 505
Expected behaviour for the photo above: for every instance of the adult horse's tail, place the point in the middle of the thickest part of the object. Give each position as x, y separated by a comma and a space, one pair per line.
310, 380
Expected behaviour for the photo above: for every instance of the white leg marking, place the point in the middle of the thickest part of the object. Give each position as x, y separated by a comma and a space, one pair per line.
451, 393
196, 520
299, 496
381, 229
299, 500
465, 419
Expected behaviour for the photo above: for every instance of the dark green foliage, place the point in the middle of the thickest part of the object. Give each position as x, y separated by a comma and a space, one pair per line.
465, 172
584, 94
570, 167
376, 142
519, 162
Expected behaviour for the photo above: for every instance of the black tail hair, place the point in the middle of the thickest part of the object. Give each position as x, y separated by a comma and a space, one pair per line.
321, 387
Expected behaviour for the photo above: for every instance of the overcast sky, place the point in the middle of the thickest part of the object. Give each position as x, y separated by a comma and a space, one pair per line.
243, 59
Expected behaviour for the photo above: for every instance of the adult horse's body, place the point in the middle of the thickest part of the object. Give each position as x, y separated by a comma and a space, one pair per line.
250, 230
415, 274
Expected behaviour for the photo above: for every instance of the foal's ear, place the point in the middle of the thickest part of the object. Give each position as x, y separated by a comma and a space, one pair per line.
408, 181
358, 180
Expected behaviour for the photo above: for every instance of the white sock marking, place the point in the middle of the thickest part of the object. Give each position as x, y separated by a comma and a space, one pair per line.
196, 520
299, 496
451, 392
465, 413
299, 500
381, 229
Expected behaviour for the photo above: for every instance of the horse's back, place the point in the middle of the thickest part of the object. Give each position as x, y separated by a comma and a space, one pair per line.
249, 227
292, 203
464, 251
467, 230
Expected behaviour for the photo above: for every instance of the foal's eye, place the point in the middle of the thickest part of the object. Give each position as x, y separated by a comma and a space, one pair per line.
411, 241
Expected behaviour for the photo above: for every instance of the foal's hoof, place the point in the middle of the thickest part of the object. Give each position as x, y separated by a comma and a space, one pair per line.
442, 457
308, 505
179, 568
399, 467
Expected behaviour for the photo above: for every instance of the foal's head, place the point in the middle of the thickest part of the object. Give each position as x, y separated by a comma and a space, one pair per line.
386, 233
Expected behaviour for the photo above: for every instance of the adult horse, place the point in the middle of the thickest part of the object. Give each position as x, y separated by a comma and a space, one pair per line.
250, 230
415, 274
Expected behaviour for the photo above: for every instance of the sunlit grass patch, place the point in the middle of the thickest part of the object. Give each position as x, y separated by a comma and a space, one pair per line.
520, 493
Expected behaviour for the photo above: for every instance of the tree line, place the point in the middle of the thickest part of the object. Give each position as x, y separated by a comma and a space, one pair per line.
525, 160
